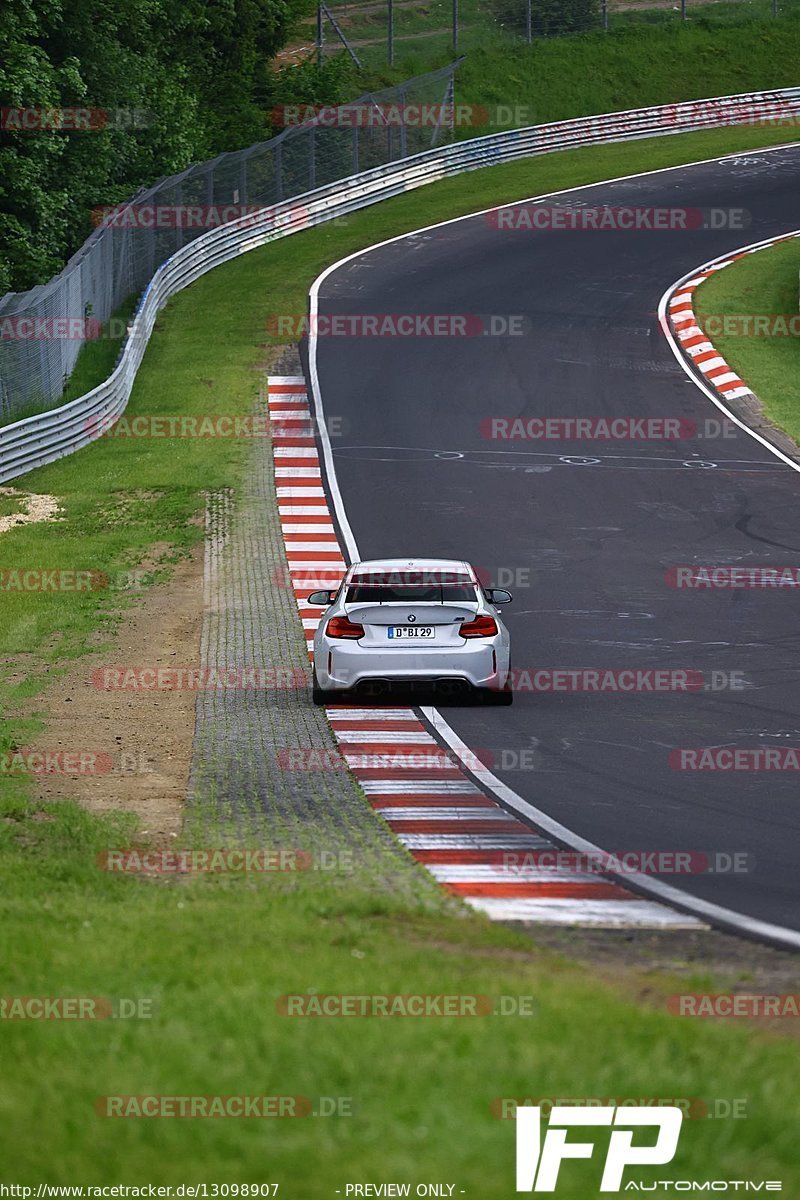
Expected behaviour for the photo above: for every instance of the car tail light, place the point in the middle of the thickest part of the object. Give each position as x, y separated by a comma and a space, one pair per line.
480, 627
340, 627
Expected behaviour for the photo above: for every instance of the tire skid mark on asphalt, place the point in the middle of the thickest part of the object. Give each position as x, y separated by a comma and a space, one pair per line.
451, 826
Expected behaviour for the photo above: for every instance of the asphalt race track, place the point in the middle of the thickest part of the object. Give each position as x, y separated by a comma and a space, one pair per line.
583, 531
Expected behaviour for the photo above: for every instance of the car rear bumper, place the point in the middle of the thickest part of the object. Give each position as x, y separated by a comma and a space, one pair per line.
484, 664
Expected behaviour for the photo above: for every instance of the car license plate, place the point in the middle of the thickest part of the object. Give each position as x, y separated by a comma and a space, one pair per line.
410, 631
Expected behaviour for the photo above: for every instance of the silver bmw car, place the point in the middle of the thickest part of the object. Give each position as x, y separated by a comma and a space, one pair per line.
424, 622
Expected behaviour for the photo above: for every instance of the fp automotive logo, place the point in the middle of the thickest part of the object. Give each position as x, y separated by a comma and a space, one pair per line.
539, 1161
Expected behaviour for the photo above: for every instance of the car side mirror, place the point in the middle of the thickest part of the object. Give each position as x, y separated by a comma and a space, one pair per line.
499, 596
324, 599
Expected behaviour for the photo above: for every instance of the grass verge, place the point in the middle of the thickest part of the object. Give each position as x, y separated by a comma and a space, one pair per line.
751, 294
633, 66
413, 1099
215, 955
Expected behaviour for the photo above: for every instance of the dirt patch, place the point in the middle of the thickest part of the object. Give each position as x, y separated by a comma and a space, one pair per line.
32, 508
142, 740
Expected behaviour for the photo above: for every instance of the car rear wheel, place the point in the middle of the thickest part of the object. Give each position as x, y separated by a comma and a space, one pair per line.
318, 694
504, 695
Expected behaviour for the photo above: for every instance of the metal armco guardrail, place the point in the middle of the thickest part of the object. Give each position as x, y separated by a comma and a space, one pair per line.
43, 329
50, 435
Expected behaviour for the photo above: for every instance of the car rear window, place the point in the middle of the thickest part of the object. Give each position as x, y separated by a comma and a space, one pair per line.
408, 588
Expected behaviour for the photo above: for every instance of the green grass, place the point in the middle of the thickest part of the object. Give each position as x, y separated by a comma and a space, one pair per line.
636, 68
11, 505
758, 285
701, 52
95, 362
215, 954
637, 63
98, 358
213, 957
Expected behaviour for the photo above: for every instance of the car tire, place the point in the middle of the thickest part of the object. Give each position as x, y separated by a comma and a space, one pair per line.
504, 696
318, 694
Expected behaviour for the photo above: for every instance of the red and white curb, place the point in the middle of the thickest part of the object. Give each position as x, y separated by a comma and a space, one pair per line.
692, 340
450, 825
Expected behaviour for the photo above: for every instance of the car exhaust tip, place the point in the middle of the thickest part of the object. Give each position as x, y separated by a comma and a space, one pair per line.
452, 687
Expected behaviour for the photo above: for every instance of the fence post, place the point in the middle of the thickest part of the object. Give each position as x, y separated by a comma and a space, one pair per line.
390, 34
179, 216
403, 129
449, 98
529, 22
278, 164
